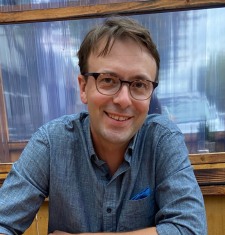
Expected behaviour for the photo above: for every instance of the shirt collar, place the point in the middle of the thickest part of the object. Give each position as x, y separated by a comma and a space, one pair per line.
130, 148
87, 132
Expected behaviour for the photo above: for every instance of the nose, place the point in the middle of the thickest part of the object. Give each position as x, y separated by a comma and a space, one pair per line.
123, 97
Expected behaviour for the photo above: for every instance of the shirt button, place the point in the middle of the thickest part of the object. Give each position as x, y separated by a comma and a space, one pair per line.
107, 176
109, 210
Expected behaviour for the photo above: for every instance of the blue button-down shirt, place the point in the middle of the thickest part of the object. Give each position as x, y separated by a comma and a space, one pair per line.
60, 162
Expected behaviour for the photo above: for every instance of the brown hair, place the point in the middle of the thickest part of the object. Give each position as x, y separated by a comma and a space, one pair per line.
115, 28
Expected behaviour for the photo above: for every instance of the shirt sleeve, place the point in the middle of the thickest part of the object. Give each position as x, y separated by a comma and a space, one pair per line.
179, 198
25, 187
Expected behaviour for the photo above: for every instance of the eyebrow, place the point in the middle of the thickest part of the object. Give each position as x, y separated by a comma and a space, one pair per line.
135, 77
141, 77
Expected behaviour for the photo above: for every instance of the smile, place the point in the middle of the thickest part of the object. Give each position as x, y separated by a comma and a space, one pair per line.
118, 118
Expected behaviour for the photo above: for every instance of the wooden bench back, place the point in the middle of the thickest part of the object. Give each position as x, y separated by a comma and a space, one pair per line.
4, 170
209, 171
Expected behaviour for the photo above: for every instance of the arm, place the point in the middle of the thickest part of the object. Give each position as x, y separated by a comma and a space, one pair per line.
178, 196
25, 188
146, 231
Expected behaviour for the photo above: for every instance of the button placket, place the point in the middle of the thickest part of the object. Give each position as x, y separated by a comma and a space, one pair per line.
109, 204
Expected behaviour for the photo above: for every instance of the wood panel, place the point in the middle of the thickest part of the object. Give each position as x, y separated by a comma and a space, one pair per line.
209, 166
14, 155
207, 158
40, 223
105, 9
33, 229
207, 177
5, 167
4, 136
211, 178
42, 218
19, 145
15, 150
213, 190
215, 207
4, 170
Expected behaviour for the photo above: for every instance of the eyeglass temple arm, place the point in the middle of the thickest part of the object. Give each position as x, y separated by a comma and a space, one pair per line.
95, 75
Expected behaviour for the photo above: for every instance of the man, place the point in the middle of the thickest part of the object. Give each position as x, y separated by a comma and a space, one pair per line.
112, 169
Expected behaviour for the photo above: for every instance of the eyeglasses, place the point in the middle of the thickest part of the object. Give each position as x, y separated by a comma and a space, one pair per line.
108, 84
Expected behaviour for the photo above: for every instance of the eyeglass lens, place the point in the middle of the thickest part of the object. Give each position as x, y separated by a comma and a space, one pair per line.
109, 85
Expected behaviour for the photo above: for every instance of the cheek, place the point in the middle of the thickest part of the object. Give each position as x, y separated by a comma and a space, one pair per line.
92, 95
96, 101
142, 107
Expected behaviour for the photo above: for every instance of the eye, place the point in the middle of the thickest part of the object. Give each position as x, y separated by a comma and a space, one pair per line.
139, 85
108, 80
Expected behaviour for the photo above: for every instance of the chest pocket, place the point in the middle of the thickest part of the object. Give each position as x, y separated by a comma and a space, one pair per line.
137, 214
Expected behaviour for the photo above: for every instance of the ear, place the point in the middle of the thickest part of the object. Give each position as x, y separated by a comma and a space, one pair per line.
82, 85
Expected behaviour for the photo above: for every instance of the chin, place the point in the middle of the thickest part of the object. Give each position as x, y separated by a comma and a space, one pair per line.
118, 138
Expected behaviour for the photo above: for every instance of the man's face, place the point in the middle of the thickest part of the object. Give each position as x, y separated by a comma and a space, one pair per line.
129, 61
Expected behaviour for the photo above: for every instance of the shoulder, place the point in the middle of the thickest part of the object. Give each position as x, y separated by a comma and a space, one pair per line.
64, 125
161, 123
158, 130
67, 121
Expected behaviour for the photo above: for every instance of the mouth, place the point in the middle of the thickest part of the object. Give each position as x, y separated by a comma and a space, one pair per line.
117, 118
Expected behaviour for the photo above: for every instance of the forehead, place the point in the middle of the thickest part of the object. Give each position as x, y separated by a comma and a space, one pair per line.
125, 56
102, 49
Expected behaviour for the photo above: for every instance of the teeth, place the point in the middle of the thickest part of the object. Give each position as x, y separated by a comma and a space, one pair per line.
117, 117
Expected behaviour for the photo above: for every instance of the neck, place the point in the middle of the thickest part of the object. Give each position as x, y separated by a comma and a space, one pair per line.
112, 154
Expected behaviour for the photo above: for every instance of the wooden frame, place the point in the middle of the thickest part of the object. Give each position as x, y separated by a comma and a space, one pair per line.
4, 170
79, 12
209, 171
4, 136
